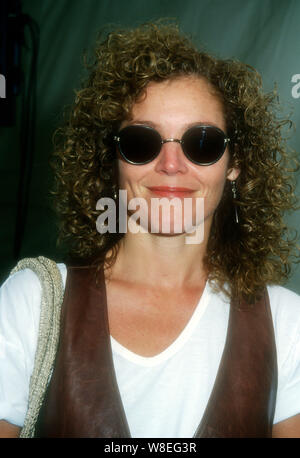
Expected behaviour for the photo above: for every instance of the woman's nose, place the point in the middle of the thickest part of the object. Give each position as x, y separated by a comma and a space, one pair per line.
171, 159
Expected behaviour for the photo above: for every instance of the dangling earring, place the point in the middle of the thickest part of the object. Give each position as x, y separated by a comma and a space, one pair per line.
234, 194
115, 195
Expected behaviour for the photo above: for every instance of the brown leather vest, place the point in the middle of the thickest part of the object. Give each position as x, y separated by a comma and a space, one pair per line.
83, 398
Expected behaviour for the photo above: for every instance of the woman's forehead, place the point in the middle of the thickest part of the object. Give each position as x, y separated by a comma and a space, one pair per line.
185, 100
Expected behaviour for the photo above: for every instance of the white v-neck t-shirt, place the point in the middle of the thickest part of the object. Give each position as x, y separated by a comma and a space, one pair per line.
164, 395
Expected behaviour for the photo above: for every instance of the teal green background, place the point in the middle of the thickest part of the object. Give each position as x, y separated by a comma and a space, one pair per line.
262, 33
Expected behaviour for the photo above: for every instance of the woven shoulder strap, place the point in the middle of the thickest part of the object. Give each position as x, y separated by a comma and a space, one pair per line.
49, 327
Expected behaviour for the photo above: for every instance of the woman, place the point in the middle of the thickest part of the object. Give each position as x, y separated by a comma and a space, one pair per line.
159, 119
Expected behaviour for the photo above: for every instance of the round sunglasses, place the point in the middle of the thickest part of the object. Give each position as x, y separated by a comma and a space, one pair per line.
201, 144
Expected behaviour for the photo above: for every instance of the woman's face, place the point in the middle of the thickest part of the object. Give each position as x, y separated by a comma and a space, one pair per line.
171, 107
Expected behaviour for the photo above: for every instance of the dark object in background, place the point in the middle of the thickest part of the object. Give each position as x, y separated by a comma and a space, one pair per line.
13, 24
11, 38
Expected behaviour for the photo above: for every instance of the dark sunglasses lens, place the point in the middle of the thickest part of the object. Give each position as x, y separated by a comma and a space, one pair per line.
204, 145
139, 144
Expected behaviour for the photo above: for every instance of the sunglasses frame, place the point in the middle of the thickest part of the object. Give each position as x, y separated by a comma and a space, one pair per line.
167, 140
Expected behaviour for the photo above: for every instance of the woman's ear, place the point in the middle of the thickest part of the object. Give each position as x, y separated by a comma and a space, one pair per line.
233, 173
233, 170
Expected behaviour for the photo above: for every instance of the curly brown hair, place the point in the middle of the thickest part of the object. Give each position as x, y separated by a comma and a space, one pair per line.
245, 256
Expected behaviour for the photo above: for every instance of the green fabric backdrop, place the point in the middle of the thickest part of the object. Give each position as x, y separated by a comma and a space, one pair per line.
262, 33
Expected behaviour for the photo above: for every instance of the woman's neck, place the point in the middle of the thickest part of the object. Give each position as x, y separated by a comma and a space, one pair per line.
167, 261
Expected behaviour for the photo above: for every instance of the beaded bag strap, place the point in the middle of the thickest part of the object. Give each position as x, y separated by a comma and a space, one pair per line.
48, 335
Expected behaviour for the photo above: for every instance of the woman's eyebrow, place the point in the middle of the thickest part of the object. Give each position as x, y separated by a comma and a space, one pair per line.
157, 126
144, 122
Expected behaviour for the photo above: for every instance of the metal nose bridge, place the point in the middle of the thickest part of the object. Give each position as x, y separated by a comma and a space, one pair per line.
167, 140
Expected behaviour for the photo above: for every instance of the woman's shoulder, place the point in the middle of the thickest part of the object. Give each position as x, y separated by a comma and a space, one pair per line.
284, 301
285, 309
20, 305
21, 291
26, 278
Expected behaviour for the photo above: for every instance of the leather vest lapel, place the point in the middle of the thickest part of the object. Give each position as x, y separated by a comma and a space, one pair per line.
242, 402
83, 398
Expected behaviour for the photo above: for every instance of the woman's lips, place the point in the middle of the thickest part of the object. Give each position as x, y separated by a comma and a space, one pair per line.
171, 191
